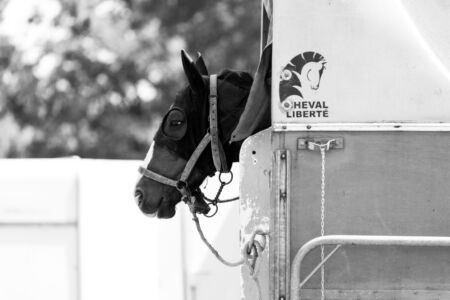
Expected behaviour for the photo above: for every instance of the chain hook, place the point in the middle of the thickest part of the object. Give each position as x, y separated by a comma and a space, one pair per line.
321, 146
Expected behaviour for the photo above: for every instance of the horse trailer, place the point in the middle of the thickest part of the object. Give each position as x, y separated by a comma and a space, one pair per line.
351, 180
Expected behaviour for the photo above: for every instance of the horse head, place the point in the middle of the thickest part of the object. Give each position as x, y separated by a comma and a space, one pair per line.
302, 75
183, 128
311, 74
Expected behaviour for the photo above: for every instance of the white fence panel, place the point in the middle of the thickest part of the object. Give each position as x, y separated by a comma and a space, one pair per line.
71, 230
38, 190
38, 263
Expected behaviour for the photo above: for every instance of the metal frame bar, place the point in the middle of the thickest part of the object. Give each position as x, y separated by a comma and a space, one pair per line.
286, 127
318, 266
357, 240
280, 264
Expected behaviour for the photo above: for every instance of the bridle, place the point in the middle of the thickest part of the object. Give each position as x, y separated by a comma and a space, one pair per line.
218, 155
253, 248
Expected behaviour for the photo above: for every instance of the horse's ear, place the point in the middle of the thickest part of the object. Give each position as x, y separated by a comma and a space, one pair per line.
192, 73
200, 64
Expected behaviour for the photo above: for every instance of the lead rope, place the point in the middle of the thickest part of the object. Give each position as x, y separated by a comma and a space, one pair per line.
251, 251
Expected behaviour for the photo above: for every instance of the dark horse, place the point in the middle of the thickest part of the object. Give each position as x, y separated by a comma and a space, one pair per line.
182, 129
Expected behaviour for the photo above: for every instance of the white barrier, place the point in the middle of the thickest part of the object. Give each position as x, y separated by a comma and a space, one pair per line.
70, 229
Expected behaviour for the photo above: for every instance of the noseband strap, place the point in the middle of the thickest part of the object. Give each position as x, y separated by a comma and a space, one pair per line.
187, 169
218, 154
157, 177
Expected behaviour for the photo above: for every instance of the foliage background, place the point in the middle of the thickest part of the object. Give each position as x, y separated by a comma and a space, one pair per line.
93, 78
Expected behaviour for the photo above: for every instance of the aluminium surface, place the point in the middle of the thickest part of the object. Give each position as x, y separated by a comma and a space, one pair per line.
380, 183
376, 75
383, 61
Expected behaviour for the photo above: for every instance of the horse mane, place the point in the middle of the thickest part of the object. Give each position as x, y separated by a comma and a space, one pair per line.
240, 79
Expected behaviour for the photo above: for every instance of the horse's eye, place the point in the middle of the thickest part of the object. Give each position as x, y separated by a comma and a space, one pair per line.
174, 124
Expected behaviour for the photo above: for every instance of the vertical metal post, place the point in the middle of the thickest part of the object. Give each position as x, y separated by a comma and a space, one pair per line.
280, 256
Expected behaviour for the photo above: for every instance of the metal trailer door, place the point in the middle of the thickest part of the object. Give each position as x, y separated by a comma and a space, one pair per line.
372, 78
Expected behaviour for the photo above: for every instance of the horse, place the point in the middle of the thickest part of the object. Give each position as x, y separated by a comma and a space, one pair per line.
184, 127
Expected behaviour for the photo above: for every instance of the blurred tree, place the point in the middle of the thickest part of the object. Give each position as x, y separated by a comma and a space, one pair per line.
93, 78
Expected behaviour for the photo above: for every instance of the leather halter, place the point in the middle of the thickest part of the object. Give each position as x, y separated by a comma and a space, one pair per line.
211, 136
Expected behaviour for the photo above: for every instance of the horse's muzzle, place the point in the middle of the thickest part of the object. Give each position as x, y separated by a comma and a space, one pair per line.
140, 201
138, 197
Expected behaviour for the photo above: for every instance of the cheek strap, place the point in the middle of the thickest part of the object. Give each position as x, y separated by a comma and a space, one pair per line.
218, 154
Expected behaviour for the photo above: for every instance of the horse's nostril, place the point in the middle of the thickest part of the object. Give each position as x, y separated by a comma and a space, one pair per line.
138, 197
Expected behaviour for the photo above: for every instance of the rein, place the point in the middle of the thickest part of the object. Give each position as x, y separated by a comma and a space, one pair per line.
218, 155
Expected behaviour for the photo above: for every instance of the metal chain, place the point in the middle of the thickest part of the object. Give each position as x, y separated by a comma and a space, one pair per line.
216, 199
322, 222
213, 202
323, 148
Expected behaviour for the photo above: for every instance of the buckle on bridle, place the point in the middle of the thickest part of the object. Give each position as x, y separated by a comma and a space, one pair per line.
181, 186
194, 200
186, 196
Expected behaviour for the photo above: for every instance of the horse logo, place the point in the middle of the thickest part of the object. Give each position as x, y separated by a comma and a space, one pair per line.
301, 77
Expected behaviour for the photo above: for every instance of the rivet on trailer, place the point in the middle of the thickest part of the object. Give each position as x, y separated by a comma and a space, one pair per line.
352, 179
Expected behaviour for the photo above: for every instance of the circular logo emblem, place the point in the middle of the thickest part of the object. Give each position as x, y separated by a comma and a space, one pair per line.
301, 76
286, 105
286, 75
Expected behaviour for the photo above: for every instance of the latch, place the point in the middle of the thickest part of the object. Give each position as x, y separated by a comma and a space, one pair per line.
315, 143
